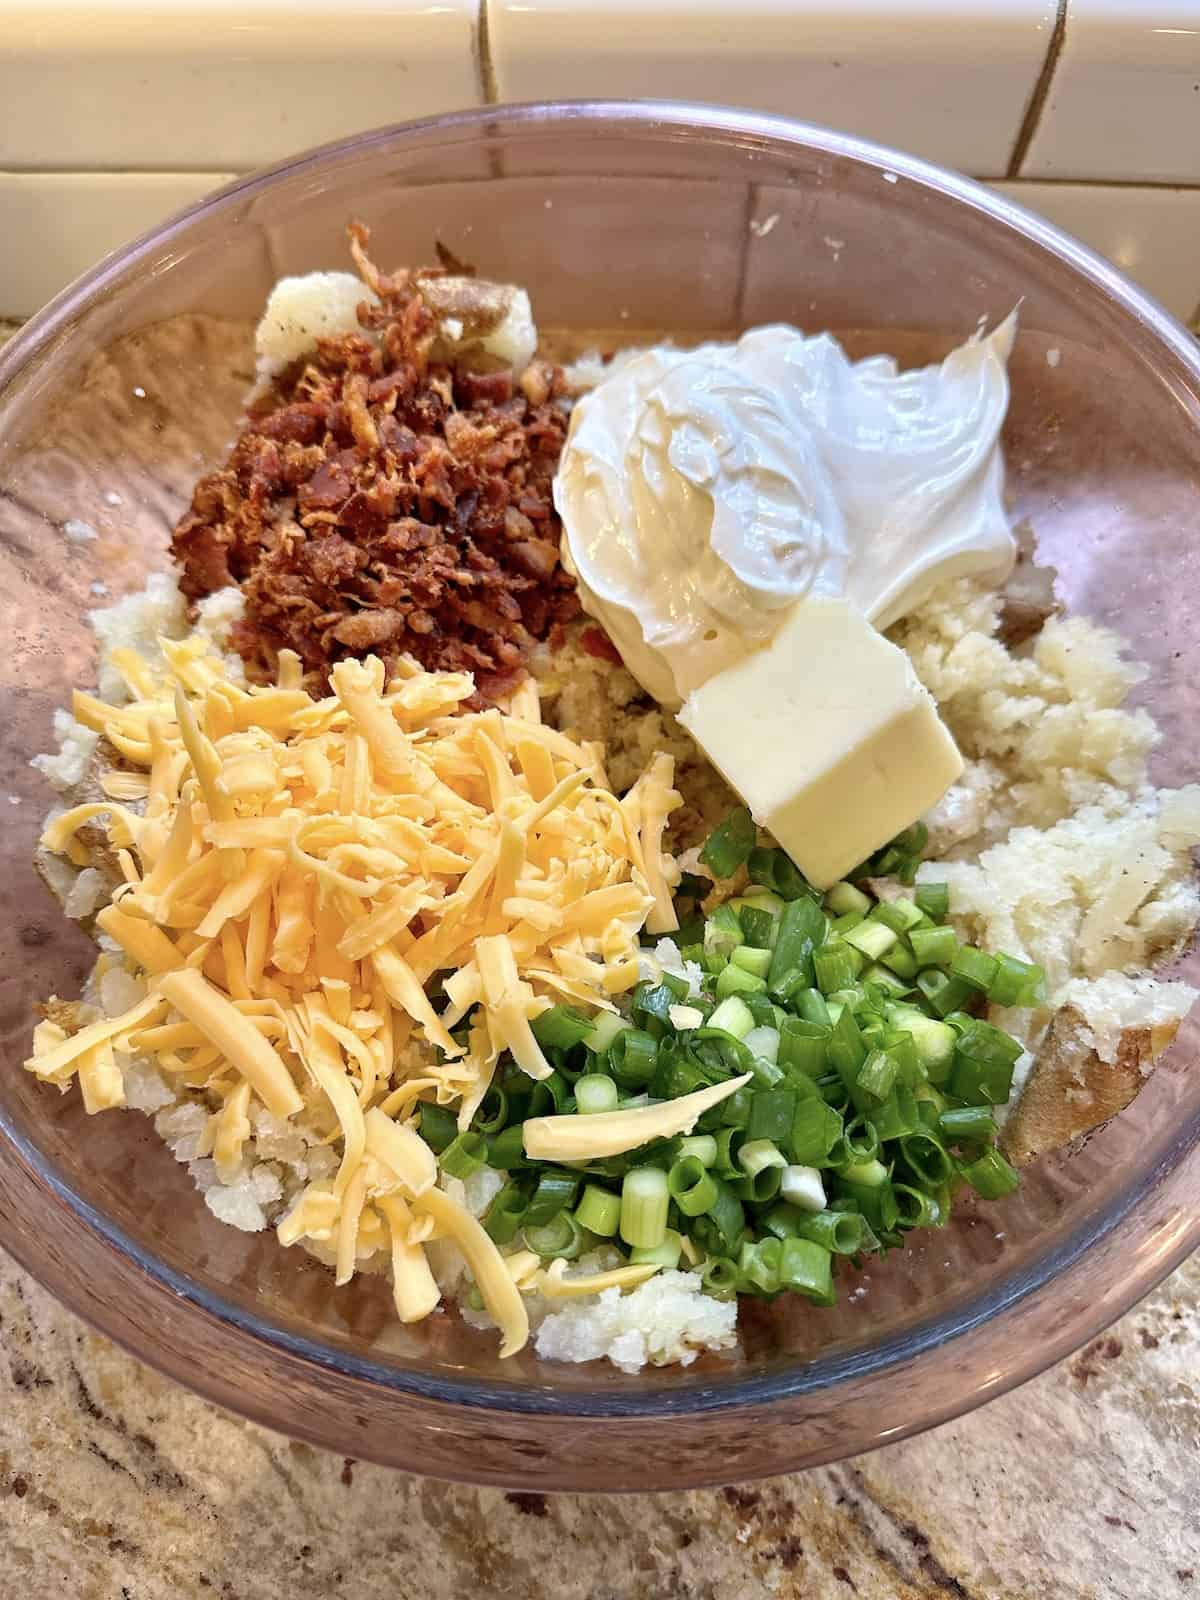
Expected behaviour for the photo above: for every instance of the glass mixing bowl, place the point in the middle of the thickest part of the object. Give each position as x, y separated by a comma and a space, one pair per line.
632, 220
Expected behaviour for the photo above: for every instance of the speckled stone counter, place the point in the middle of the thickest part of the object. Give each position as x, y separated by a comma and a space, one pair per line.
116, 1485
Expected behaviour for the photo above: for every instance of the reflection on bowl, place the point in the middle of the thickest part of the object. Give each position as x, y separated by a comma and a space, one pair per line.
625, 221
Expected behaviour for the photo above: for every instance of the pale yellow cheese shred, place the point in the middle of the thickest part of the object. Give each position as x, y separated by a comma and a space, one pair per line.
312, 886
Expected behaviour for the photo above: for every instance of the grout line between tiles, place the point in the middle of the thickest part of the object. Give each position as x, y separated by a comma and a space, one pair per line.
225, 174
483, 55
1041, 91
1158, 184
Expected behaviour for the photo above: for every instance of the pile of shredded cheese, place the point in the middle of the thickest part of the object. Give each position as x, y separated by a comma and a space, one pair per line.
300, 875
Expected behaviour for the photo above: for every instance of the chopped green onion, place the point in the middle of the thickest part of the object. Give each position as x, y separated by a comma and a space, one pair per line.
439, 1127
810, 1005
735, 1111
984, 1058
859, 1142
772, 1113
967, 1124
844, 1233
719, 1275
652, 1003
847, 1052
758, 1265
900, 961
835, 967
933, 947
493, 1111
844, 897
763, 1009
843, 924
917, 1207
606, 1025
758, 1189
729, 845
727, 1213
645, 1200
691, 1186
877, 1075
758, 927
561, 1028
934, 1040
990, 1175
871, 939
679, 986
802, 1045
802, 1186
885, 983
722, 935
756, 962
816, 1128
727, 1141
555, 1192
806, 1268
465, 1154
943, 993
732, 1016
902, 1048
869, 1174
562, 1237
595, 1092
802, 927
507, 1149
701, 1145
757, 1154
763, 1043
1017, 983
898, 1115
550, 1094
778, 872
767, 1074
632, 1057
977, 968
735, 980
927, 1158
934, 900
899, 915
506, 1214
665, 1255
874, 1199
599, 1211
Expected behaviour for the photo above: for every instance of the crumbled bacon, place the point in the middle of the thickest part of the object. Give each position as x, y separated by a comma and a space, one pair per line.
378, 500
597, 643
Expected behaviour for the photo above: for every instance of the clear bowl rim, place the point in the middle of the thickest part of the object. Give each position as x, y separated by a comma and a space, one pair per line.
1006, 1298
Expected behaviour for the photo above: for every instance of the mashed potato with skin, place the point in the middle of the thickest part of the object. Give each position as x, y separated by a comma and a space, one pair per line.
1055, 846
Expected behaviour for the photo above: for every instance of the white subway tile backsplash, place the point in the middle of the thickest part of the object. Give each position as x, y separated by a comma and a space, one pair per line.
58, 224
222, 83
949, 79
1124, 102
1152, 235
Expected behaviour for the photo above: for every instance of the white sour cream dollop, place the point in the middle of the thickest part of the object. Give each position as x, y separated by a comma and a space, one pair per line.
704, 493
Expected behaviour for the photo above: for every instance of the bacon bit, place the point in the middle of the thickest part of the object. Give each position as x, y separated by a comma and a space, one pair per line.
376, 500
598, 644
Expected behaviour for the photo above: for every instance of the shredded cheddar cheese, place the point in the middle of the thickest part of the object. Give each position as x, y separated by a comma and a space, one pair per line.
312, 884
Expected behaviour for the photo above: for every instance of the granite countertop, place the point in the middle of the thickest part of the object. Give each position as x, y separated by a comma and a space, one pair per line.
116, 1485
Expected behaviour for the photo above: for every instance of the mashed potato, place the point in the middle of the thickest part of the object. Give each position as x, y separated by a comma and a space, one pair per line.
1055, 846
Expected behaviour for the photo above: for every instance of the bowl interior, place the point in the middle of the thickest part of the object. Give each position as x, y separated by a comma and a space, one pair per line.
622, 226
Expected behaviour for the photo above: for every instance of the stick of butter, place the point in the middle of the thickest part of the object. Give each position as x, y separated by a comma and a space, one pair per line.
828, 736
